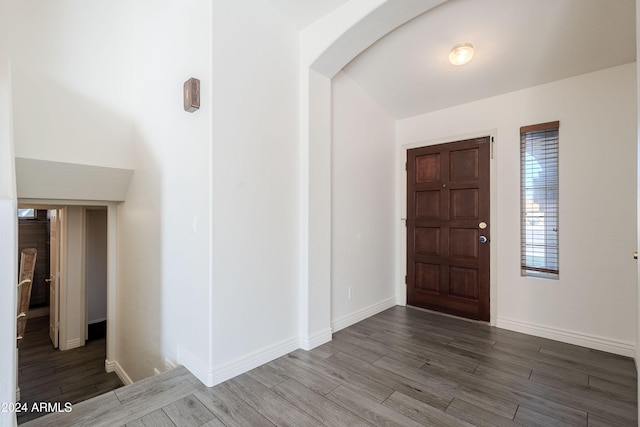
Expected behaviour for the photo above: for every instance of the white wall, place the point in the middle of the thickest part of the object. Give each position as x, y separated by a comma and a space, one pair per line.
593, 302
637, 355
8, 248
72, 76
7, 164
73, 81
106, 92
163, 226
362, 205
213, 200
255, 172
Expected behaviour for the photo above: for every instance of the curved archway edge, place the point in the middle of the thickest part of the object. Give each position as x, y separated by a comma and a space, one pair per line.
326, 47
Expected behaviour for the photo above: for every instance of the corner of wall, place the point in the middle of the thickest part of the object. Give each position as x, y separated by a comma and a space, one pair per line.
308, 342
8, 248
114, 366
203, 372
360, 315
213, 375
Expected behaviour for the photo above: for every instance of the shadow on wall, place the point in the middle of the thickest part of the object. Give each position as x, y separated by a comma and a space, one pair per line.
140, 284
54, 122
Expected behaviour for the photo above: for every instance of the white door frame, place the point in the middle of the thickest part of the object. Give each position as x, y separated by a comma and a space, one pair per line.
55, 276
111, 340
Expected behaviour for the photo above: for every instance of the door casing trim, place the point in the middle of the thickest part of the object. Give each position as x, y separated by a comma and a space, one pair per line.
112, 233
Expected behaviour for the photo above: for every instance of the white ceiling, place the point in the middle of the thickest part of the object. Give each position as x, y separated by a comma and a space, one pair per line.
519, 44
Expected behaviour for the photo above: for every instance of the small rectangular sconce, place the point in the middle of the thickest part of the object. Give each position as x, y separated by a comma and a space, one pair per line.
191, 95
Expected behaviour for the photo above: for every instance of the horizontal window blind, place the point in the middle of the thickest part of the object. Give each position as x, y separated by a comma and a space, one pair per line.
539, 199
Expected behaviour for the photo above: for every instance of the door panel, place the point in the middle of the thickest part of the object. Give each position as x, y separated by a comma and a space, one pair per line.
428, 204
447, 199
428, 241
463, 282
428, 168
464, 203
427, 277
462, 243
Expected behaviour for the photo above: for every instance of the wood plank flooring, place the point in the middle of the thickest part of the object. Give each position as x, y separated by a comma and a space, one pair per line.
49, 375
402, 367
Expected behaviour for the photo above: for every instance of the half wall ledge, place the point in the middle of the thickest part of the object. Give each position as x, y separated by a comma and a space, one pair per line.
43, 179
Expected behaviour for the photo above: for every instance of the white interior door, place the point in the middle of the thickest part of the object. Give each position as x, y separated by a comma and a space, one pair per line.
54, 280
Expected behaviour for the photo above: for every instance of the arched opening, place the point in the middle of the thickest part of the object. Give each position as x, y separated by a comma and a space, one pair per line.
326, 47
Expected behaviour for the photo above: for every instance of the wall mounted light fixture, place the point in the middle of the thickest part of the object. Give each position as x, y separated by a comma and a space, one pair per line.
191, 95
461, 53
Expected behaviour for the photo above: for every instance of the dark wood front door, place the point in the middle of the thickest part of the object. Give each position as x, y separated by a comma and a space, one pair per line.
448, 228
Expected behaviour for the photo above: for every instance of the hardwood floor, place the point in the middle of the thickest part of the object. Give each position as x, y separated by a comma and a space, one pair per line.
49, 375
402, 367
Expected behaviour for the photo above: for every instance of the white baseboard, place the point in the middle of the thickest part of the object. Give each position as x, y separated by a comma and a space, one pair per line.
362, 314
219, 374
113, 366
16, 375
74, 343
571, 337
314, 340
126, 379
169, 364
195, 366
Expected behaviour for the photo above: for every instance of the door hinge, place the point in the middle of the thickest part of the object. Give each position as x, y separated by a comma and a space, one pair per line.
491, 148
405, 279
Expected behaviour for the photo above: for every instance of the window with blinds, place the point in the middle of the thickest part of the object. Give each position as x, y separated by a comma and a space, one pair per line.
539, 200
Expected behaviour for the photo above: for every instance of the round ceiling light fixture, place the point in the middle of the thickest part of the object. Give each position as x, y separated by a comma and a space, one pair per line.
461, 53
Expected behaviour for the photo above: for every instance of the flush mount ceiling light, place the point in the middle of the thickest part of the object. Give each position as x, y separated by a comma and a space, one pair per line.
461, 53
